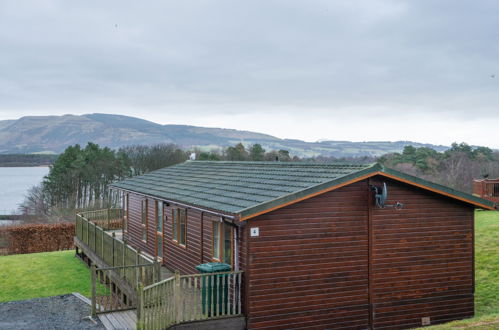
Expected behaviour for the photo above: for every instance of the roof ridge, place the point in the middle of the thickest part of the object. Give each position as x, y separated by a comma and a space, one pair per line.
278, 163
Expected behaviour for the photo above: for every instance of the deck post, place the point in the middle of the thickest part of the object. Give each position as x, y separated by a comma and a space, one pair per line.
157, 267
155, 277
137, 269
177, 298
102, 245
140, 306
93, 271
114, 239
123, 259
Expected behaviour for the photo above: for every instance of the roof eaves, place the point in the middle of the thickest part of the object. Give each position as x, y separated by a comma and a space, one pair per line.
179, 202
309, 192
435, 187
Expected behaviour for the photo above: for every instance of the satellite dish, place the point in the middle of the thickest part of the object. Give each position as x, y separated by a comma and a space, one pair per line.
381, 196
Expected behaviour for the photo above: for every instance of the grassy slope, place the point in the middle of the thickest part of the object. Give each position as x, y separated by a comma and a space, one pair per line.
486, 275
47, 274
487, 262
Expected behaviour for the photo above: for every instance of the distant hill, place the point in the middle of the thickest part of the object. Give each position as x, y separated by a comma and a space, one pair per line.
52, 134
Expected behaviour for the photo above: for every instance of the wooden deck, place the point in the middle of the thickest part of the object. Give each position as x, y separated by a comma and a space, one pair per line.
119, 320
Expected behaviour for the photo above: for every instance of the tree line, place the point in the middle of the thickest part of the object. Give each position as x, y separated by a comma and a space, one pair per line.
79, 178
253, 152
26, 160
455, 167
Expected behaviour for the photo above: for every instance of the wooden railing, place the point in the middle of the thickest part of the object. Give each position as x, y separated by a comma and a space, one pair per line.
115, 288
107, 219
133, 281
189, 298
112, 251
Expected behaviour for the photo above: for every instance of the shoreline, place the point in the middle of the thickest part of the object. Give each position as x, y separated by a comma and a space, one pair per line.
23, 165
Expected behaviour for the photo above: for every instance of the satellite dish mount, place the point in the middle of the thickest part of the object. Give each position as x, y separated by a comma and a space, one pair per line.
380, 197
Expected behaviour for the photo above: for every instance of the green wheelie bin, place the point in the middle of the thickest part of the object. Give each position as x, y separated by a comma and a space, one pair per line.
214, 288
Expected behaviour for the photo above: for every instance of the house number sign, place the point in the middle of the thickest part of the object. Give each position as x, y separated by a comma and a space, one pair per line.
255, 231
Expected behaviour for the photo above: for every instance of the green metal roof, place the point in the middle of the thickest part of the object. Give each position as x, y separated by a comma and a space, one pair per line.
248, 188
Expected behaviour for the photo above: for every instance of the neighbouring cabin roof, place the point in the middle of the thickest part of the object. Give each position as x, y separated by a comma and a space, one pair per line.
487, 180
247, 189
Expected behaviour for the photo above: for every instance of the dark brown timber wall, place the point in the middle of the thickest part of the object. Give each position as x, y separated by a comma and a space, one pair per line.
422, 259
311, 266
199, 236
308, 267
134, 233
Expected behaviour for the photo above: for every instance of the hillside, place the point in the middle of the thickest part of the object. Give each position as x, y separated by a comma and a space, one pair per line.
52, 134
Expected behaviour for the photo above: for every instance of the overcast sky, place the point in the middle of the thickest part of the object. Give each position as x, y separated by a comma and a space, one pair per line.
420, 70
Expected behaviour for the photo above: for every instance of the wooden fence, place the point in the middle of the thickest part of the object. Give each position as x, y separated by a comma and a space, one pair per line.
189, 298
115, 288
133, 281
107, 219
112, 251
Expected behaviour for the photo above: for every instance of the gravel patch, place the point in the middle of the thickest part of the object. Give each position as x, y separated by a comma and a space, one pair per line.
59, 312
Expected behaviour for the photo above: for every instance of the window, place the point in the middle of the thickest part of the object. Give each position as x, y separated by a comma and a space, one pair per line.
222, 242
175, 225
125, 212
216, 240
159, 229
159, 217
144, 220
179, 226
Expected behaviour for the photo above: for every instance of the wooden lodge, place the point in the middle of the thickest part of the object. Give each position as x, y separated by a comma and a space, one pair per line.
316, 245
487, 189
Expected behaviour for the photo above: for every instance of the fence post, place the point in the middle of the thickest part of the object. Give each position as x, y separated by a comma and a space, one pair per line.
140, 306
102, 246
157, 267
177, 298
107, 216
137, 270
93, 271
114, 239
123, 259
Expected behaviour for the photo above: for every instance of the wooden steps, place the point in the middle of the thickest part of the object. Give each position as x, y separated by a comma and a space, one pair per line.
119, 320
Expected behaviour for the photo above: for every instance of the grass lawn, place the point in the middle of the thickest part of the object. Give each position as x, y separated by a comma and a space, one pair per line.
35, 275
487, 262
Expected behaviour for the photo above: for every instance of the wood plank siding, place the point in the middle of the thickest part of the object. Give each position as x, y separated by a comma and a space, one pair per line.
198, 248
422, 259
308, 267
311, 267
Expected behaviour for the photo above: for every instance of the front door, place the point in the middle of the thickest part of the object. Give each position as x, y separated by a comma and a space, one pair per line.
223, 242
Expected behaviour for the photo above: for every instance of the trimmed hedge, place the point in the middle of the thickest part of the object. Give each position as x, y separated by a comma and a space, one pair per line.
34, 238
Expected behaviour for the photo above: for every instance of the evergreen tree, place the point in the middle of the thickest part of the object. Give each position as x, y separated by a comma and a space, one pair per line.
257, 152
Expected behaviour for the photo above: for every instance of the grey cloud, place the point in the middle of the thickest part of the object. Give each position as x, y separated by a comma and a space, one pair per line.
400, 55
